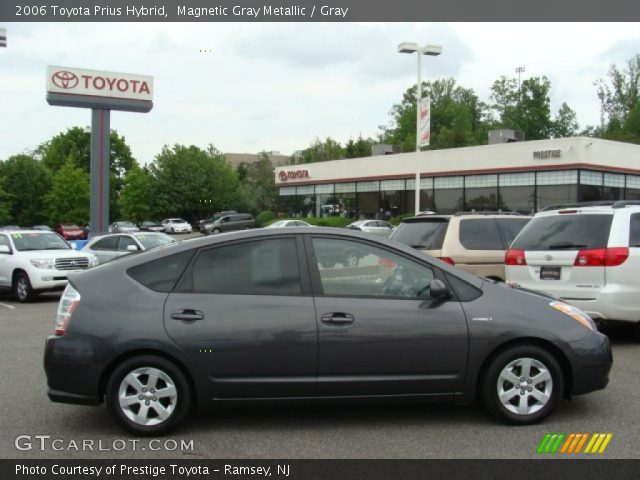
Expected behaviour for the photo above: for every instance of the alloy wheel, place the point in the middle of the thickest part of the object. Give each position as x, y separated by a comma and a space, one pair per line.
147, 396
524, 386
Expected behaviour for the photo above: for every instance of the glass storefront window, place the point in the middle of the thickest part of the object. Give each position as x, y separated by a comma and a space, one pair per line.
448, 194
346, 204
556, 195
368, 205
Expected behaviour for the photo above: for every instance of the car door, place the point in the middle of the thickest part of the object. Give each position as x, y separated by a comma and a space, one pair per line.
245, 312
379, 332
5, 271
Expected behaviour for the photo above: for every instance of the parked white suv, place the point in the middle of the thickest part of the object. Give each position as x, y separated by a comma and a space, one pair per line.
584, 254
34, 261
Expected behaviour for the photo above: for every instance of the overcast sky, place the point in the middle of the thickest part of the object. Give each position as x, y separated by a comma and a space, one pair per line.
277, 86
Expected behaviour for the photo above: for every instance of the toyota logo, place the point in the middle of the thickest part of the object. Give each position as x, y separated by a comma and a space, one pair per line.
548, 258
282, 175
73, 263
64, 79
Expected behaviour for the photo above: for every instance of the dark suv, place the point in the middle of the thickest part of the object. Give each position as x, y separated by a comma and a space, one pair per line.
228, 223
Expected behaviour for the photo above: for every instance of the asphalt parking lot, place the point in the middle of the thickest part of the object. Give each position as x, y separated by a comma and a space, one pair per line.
313, 431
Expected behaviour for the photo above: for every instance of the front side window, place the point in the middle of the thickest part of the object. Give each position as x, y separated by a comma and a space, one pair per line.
349, 268
264, 267
125, 242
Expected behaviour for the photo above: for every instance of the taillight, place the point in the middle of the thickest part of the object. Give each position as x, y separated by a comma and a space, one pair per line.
601, 257
448, 260
68, 303
515, 257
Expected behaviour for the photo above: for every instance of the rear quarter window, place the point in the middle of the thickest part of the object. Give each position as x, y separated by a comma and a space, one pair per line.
162, 274
480, 234
634, 230
424, 235
565, 231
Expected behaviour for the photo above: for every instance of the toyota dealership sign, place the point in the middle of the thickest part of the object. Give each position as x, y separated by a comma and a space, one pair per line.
79, 87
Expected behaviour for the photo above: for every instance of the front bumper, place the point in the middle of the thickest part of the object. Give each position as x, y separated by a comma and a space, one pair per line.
50, 280
591, 363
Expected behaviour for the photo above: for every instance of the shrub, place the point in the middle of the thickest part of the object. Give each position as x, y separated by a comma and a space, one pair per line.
264, 218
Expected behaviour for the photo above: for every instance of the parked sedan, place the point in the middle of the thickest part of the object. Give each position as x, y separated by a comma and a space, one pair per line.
254, 315
150, 226
110, 246
374, 227
288, 224
69, 231
123, 227
176, 225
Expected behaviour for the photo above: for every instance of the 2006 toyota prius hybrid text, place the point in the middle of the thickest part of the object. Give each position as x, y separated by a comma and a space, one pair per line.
281, 315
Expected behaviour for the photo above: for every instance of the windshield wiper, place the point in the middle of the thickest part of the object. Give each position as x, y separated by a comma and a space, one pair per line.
563, 245
425, 247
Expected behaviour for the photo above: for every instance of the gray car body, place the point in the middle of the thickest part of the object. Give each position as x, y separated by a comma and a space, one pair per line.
267, 356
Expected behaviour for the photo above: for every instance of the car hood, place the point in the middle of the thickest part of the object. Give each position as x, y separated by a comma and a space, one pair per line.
53, 254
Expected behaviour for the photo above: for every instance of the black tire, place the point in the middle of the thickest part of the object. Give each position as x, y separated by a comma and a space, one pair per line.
490, 385
181, 405
22, 288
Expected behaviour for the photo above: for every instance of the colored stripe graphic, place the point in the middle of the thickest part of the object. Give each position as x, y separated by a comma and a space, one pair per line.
573, 443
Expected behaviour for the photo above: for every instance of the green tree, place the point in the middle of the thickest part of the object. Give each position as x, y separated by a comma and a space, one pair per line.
527, 109
75, 145
190, 182
137, 194
260, 179
4, 206
359, 148
25, 181
68, 199
321, 151
565, 124
458, 118
620, 102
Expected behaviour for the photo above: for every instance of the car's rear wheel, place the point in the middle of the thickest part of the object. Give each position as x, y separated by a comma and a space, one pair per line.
22, 288
148, 395
522, 385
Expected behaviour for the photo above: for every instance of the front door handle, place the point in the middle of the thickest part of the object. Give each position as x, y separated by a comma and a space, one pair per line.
188, 315
338, 318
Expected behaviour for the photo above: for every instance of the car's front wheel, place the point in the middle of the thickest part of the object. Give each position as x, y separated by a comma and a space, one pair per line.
522, 385
148, 395
22, 288
217, 230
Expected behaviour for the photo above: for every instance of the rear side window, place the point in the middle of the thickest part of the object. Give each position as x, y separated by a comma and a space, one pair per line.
510, 228
480, 234
108, 243
162, 274
565, 231
265, 267
634, 230
425, 235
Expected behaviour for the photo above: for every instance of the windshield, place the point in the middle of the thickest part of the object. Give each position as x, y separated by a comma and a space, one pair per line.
70, 227
278, 224
153, 241
126, 224
423, 235
39, 241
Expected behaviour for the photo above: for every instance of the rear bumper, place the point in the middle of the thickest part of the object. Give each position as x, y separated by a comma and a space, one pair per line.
591, 363
72, 374
613, 303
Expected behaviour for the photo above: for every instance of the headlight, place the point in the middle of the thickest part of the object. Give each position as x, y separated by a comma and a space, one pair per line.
47, 263
93, 260
575, 313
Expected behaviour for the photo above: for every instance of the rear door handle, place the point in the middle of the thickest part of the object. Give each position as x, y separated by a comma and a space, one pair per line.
338, 318
188, 315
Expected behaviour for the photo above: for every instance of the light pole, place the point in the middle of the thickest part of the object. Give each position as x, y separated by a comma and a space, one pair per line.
519, 71
432, 50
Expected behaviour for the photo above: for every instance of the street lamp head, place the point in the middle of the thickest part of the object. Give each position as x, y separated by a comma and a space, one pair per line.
433, 50
408, 47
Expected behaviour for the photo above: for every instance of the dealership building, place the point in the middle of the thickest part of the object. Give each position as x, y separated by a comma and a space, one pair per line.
520, 176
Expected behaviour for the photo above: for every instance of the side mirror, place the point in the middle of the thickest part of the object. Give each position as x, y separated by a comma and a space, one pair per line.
5, 249
438, 290
132, 248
